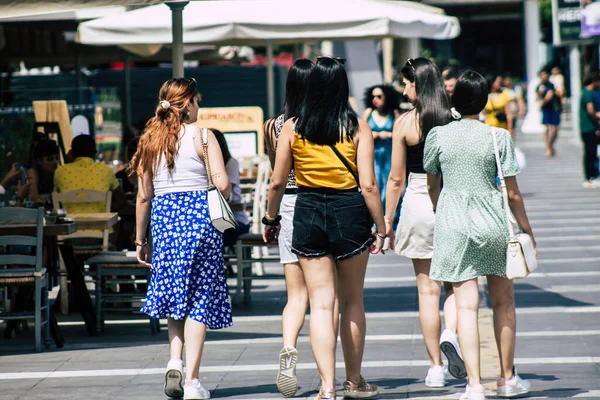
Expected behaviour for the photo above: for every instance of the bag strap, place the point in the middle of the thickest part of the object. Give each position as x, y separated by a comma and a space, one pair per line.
345, 162
205, 155
509, 217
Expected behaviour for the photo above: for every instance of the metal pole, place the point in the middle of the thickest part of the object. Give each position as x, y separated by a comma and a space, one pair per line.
127, 72
575, 68
387, 45
177, 29
533, 120
270, 81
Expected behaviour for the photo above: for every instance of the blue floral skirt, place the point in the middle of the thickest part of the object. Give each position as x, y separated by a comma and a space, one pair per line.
188, 275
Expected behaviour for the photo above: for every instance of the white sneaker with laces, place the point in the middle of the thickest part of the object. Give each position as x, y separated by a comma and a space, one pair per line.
195, 391
471, 394
436, 377
174, 379
513, 387
451, 349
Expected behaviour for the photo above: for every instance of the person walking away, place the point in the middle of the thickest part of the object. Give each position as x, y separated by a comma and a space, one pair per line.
551, 106
590, 131
381, 103
188, 283
471, 227
414, 239
497, 111
332, 154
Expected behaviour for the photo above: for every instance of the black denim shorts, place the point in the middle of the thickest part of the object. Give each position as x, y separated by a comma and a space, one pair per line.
335, 222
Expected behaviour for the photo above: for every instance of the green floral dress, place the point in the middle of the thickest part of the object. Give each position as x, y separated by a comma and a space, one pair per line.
470, 232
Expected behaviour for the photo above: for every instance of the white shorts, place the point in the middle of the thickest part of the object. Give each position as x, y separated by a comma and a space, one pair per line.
286, 210
414, 235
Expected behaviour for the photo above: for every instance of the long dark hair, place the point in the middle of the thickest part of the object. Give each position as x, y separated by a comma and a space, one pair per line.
222, 144
295, 90
390, 105
433, 104
326, 116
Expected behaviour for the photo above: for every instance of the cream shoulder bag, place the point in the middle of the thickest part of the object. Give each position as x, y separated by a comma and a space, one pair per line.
520, 254
218, 208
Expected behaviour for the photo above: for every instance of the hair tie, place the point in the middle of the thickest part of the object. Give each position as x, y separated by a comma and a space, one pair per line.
165, 104
455, 114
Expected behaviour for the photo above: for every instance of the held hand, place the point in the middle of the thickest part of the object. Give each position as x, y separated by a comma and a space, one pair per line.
22, 190
144, 256
389, 233
377, 246
13, 173
271, 233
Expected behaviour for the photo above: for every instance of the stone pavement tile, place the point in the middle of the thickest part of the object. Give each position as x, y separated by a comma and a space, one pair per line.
530, 347
545, 298
561, 381
10, 366
557, 322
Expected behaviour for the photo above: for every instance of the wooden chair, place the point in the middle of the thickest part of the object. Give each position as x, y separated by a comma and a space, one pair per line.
22, 270
112, 263
81, 249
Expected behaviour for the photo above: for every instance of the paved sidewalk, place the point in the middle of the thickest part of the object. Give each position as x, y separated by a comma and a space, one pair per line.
558, 317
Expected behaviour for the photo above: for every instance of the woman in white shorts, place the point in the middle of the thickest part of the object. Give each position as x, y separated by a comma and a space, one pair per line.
297, 294
414, 236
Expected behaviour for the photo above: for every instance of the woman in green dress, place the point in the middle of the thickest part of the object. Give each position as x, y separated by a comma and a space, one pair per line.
471, 230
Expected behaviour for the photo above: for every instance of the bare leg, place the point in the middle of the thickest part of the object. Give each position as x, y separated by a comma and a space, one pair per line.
176, 338
449, 308
319, 275
429, 310
547, 140
297, 302
467, 304
353, 325
502, 297
195, 333
553, 137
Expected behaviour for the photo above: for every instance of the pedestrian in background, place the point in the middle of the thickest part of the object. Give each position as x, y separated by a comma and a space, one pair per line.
414, 239
590, 130
332, 154
498, 110
381, 103
188, 283
471, 228
551, 107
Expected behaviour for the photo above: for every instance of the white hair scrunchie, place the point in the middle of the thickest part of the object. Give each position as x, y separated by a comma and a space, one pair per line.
165, 104
455, 114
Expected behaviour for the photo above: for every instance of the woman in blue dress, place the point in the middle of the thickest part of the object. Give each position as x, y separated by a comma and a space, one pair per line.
188, 283
381, 103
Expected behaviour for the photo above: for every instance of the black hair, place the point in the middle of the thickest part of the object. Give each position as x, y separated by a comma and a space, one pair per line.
390, 94
45, 147
83, 146
295, 90
491, 79
590, 78
326, 117
433, 103
222, 144
452, 72
470, 93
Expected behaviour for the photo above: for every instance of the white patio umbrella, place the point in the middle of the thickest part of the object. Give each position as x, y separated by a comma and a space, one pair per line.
260, 22
21, 8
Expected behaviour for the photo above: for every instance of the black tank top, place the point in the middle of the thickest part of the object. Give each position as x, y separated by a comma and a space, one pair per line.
414, 158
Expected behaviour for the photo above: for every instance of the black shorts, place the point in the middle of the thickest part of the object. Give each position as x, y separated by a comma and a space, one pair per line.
335, 222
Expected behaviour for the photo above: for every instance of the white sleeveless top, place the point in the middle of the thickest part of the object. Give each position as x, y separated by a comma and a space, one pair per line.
189, 173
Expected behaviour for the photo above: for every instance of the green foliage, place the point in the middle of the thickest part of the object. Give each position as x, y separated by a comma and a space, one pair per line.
546, 11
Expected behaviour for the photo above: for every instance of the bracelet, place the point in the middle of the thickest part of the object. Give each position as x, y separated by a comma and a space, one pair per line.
142, 242
382, 237
271, 221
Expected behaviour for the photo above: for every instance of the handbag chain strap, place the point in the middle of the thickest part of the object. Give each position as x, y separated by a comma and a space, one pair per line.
509, 217
205, 155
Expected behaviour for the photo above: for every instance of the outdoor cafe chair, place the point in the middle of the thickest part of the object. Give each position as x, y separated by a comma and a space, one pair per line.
24, 270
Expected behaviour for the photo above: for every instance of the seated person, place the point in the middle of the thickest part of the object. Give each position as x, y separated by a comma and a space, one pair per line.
41, 174
126, 228
233, 171
22, 188
84, 173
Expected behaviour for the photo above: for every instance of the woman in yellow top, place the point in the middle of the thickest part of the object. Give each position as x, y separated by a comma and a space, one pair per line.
497, 111
332, 154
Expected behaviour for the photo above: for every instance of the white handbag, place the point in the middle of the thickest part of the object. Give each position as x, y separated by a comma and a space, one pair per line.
520, 254
218, 208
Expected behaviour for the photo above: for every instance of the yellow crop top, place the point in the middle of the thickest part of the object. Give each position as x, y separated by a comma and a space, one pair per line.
317, 166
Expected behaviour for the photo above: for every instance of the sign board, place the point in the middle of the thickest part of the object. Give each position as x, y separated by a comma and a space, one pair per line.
242, 126
575, 21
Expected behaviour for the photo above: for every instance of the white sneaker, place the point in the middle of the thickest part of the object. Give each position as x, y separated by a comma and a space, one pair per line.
471, 394
195, 392
515, 386
174, 379
436, 377
451, 349
287, 383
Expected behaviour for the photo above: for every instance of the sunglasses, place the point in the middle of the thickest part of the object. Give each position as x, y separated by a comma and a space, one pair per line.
338, 59
409, 63
377, 96
192, 82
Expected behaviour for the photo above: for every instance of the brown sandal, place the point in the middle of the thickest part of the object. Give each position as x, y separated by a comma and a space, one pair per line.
326, 394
